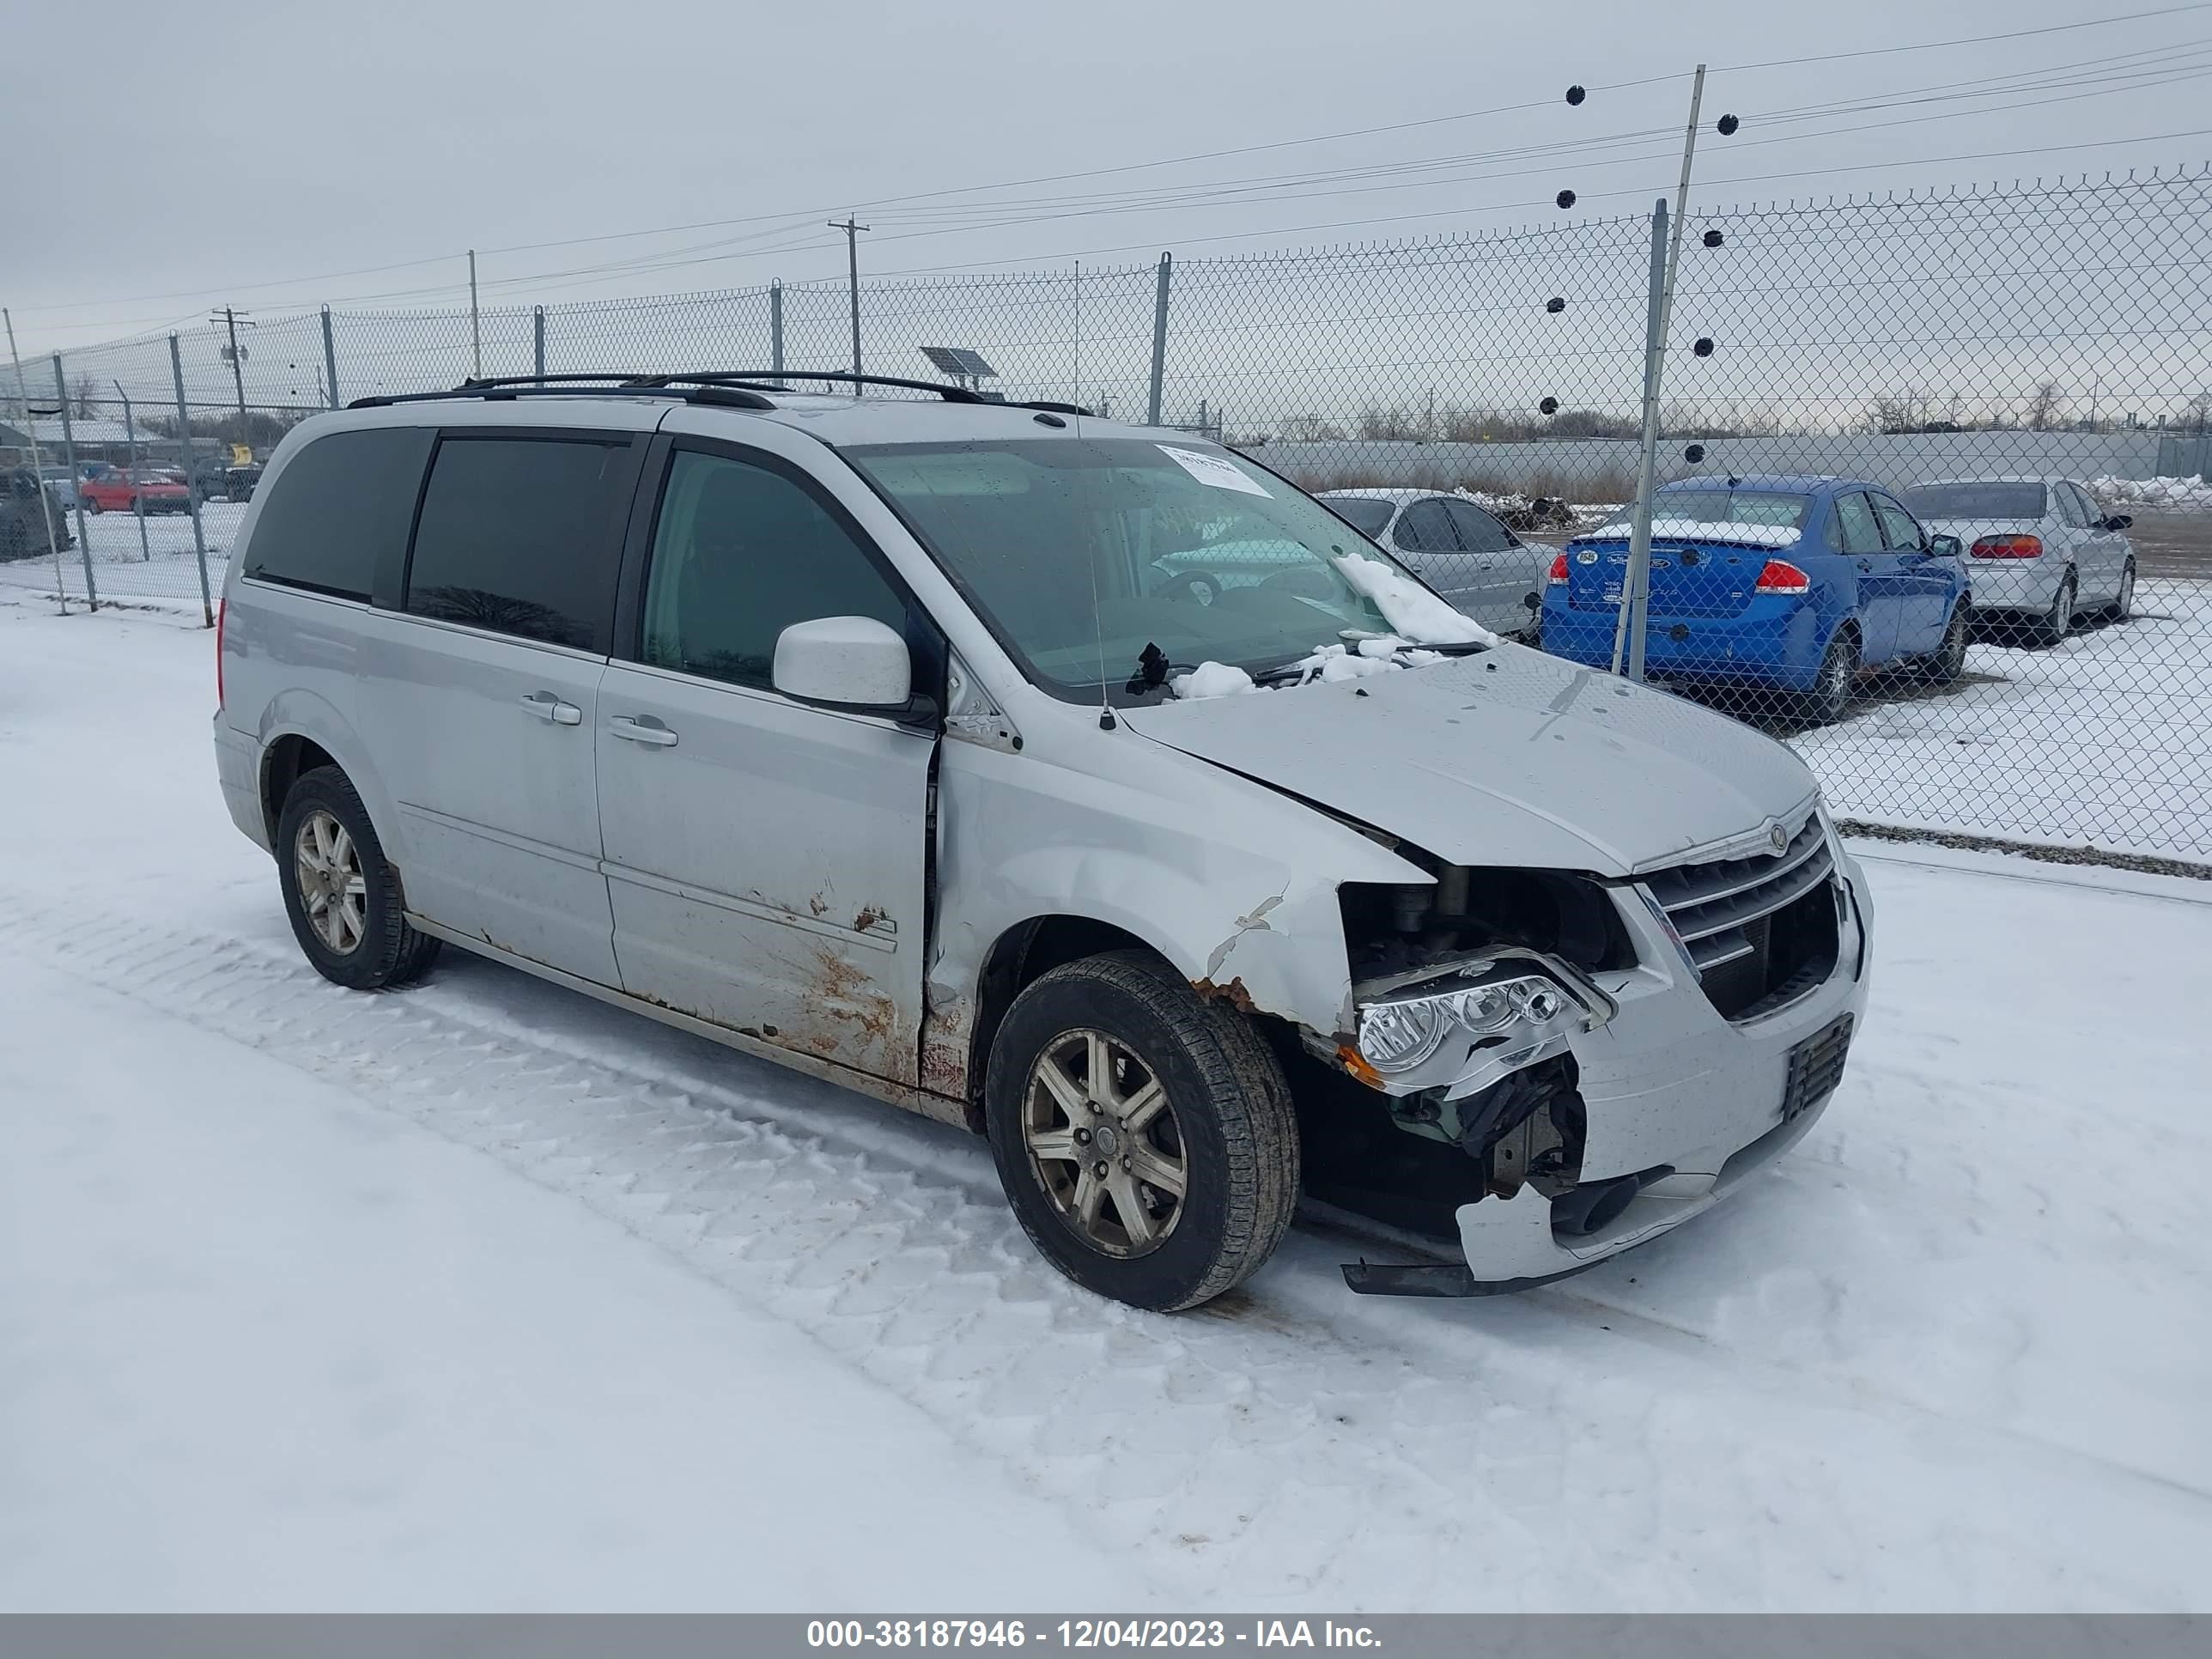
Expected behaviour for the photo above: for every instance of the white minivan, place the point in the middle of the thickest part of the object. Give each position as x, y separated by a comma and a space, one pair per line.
889, 737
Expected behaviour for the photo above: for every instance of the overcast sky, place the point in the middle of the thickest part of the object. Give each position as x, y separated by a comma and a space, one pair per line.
161, 158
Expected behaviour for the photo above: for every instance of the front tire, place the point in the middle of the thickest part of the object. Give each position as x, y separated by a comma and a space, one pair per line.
92, 505
1144, 1137
341, 895
2124, 606
1949, 660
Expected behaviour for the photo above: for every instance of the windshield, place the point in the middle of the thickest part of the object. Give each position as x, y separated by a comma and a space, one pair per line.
1977, 501
1119, 563
1366, 513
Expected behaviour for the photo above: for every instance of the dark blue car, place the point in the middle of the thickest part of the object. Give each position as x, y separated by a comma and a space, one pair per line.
1795, 585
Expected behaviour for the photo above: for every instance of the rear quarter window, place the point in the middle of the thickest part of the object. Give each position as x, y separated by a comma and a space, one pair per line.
337, 509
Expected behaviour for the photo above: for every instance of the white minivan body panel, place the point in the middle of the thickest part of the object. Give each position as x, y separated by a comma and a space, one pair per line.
765, 862
486, 744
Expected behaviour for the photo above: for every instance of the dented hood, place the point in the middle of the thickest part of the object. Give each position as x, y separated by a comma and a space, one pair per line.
1510, 757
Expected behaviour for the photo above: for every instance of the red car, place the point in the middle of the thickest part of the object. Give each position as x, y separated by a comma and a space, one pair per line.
122, 491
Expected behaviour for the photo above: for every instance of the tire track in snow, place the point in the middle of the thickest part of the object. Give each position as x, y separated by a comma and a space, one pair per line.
1294, 1453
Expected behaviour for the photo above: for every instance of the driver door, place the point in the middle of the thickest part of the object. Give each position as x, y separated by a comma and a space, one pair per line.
765, 857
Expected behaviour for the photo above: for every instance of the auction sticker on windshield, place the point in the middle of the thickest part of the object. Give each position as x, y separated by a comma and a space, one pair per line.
1212, 470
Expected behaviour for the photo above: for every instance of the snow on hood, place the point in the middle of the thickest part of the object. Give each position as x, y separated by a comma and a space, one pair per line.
1328, 664
1212, 679
1703, 530
1508, 758
1410, 609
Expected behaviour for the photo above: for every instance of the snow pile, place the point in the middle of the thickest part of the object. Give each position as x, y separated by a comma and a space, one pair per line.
1211, 679
1706, 530
1411, 610
2188, 494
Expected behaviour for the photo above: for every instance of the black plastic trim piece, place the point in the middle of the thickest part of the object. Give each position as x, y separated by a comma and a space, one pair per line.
1438, 1278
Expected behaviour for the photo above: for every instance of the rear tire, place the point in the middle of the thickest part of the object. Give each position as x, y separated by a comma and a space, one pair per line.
91, 506
1831, 696
2055, 624
341, 896
1185, 1087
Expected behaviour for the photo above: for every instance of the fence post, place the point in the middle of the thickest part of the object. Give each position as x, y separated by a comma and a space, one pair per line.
38, 470
1159, 339
130, 436
330, 358
538, 342
69, 453
192, 497
775, 326
1628, 622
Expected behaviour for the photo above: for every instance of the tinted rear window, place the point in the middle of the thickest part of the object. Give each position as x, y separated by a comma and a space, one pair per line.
521, 536
1976, 500
1758, 506
336, 508
1363, 512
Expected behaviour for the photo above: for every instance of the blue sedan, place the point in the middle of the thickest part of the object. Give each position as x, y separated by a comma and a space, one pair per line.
1787, 584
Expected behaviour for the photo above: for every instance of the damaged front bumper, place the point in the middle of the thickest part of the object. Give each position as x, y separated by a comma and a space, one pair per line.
1681, 1105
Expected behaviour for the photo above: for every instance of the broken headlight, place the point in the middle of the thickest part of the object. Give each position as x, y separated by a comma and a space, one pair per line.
1398, 1031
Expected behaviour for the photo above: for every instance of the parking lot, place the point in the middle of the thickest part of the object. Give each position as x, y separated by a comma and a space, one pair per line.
483, 1292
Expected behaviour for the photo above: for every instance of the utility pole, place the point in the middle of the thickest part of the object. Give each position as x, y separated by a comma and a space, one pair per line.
476, 331
853, 230
237, 369
1635, 589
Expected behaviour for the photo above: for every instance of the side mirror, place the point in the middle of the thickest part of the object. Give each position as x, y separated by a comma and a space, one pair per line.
1946, 547
846, 662
2119, 521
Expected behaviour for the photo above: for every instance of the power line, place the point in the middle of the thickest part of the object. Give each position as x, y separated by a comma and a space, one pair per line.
1246, 149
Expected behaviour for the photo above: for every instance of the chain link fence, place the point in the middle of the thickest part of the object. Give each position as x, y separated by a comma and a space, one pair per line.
1837, 555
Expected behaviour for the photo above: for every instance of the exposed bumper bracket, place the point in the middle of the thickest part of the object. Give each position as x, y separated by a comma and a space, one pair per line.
1442, 1279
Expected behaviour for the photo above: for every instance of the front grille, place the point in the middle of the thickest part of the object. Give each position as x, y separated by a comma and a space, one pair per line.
1761, 930
1816, 1067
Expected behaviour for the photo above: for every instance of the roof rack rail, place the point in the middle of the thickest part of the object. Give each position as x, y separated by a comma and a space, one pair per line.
1051, 408
696, 388
766, 380
724, 397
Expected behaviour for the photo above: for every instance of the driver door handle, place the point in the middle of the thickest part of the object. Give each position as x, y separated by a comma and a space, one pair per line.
549, 708
641, 728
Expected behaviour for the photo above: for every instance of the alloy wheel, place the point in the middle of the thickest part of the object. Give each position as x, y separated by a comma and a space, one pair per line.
333, 891
1103, 1140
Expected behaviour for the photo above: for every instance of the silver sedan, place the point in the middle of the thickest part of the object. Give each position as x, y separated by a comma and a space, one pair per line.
1459, 549
2039, 550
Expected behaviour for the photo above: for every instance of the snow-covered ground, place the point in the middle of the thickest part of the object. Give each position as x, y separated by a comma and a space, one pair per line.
165, 567
2105, 740
482, 1295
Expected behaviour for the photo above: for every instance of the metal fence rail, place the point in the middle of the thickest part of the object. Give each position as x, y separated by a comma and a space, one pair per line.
2054, 330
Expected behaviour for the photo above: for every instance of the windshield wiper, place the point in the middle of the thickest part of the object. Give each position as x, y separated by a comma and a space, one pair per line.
1352, 636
